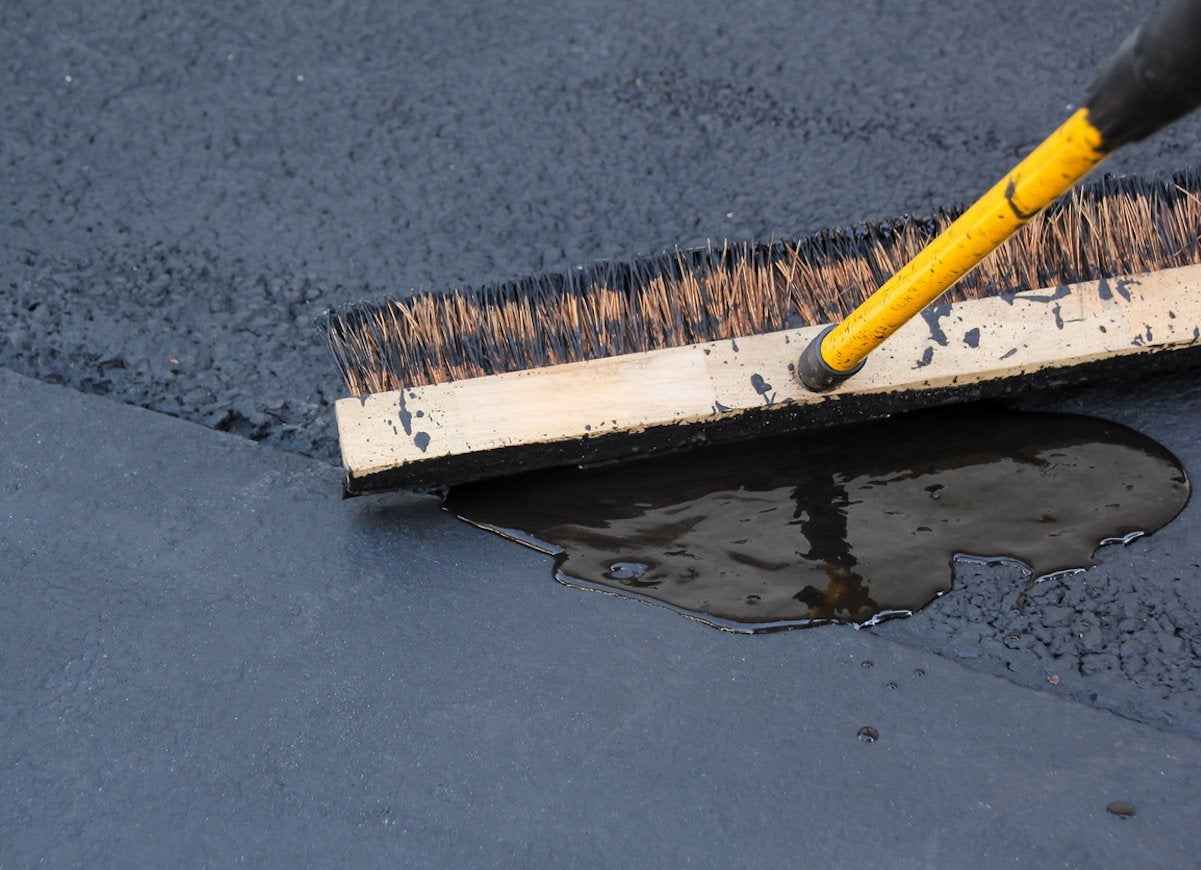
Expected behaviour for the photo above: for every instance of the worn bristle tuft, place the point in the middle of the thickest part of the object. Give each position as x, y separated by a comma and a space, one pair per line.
1116, 226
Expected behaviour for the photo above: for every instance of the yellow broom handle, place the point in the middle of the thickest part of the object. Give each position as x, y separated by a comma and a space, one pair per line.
1154, 79
1052, 168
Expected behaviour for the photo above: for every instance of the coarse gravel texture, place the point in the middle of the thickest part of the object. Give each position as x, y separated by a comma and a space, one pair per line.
187, 186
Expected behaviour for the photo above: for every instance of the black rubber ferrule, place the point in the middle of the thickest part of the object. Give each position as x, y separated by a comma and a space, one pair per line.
1154, 78
815, 373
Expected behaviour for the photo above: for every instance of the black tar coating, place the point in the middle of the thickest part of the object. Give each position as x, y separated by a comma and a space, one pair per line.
184, 188
205, 659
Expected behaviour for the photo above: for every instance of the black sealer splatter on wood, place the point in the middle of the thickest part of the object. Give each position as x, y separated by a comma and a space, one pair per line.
421, 440
972, 337
1055, 295
927, 358
1123, 286
762, 387
406, 417
932, 314
1057, 311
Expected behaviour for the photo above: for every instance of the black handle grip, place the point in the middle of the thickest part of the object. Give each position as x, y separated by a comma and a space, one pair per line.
1153, 79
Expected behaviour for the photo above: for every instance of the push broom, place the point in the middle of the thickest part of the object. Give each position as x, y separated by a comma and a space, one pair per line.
695, 346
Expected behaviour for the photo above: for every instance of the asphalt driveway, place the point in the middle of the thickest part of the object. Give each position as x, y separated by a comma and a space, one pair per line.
206, 657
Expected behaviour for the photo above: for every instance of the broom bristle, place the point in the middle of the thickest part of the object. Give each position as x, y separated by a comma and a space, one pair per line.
1115, 226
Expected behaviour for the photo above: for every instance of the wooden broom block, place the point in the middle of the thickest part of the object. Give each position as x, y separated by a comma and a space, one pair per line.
603, 408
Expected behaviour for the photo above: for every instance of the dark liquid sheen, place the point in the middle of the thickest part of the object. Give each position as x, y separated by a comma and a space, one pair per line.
847, 524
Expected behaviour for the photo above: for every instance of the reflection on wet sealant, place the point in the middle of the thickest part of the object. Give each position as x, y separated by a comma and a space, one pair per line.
850, 524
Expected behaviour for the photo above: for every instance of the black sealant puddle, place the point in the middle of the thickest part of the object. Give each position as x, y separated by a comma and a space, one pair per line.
848, 524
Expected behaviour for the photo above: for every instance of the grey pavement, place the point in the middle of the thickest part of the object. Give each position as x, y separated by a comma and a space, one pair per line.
206, 659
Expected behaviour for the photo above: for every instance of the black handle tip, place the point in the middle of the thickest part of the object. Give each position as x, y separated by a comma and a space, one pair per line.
1154, 78
815, 373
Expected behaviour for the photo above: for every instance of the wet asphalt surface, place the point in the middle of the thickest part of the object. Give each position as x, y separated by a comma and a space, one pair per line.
186, 186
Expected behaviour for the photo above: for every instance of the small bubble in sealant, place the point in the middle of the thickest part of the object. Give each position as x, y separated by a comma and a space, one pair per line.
752, 599
625, 571
868, 734
1120, 808
891, 686
866, 665
1013, 639
919, 673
